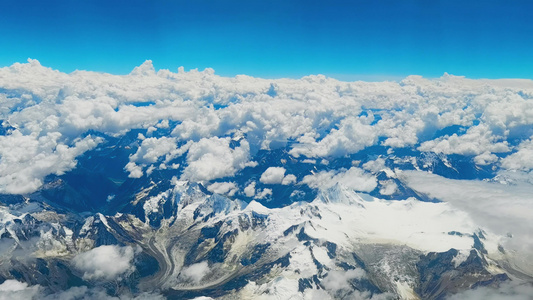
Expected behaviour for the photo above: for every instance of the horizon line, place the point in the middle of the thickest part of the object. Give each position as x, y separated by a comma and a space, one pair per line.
343, 77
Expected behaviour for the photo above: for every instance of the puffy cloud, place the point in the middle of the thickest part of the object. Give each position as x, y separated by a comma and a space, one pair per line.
374, 166
485, 158
134, 170
26, 159
195, 272
510, 111
388, 187
337, 284
354, 178
522, 159
289, 179
249, 190
15, 290
353, 135
315, 116
477, 140
273, 175
213, 158
338, 280
81, 292
263, 193
150, 151
153, 148
224, 188
105, 262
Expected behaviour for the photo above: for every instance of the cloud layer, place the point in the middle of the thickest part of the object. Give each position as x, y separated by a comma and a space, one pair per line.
504, 209
219, 123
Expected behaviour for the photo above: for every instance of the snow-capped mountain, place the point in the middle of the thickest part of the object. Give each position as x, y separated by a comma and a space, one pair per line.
189, 185
342, 244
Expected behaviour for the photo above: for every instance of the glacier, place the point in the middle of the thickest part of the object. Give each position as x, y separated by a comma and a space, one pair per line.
188, 185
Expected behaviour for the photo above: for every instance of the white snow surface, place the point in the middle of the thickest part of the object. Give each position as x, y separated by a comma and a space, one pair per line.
419, 225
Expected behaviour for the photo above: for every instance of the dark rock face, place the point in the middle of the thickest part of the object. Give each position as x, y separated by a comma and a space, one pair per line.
439, 277
216, 223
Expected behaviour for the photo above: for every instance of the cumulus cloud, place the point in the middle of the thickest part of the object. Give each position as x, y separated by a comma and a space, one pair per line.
388, 187
321, 117
249, 190
213, 158
263, 193
337, 284
289, 179
353, 135
273, 175
223, 188
339, 280
477, 140
153, 148
105, 262
522, 159
15, 290
26, 159
353, 178
276, 175
374, 166
485, 158
195, 272
134, 170
150, 151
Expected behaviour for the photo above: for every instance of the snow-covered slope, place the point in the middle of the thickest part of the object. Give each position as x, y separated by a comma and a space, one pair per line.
342, 244
189, 184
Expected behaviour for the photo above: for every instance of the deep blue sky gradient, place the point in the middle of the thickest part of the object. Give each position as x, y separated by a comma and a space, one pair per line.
344, 39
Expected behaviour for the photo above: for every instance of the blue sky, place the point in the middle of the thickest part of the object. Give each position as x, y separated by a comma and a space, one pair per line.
345, 39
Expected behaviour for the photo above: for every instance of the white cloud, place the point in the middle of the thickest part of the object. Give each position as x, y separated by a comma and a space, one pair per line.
26, 159
477, 140
105, 262
195, 272
153, 148
522, 159
15, 290
354, 178
213, 158
374, 166
506, 291
353, 135
134, 170
338, 280
223, 188
289, 179
504, 209
273, 175
388, 187
150, 151
249, 190
485, 158
325, 118
263, 193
